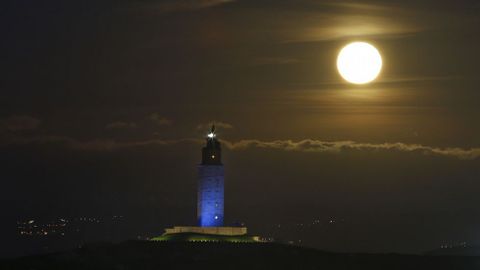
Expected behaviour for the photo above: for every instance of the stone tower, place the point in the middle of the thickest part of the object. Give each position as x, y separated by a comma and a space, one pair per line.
210, 184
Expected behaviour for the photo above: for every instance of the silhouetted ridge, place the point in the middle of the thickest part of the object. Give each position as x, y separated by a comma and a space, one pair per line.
140, 255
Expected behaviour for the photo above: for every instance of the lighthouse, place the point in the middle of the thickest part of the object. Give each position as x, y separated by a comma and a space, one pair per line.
210, 195
210, 203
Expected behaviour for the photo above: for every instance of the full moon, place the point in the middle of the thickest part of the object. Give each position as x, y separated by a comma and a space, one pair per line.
359, 63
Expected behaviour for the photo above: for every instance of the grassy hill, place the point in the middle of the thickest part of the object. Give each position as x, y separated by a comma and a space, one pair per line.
140, 255
197, 237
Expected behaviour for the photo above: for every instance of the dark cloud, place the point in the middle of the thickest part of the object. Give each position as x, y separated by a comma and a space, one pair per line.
181, 5
274, 61
160, 120
218, 124
322, 21
90, 145
121, 125
19, 123
310, 145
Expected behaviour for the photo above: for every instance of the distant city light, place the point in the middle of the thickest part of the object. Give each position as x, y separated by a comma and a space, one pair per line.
58, 226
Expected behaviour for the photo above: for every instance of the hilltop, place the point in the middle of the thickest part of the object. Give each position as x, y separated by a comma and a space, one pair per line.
140, 255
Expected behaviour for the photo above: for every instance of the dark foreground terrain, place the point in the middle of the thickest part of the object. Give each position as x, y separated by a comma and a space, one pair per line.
140, 255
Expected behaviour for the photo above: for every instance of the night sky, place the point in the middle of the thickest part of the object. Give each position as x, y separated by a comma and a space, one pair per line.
105, 105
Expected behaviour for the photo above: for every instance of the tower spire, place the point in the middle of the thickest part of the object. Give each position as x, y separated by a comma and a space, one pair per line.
211, 135
212, 152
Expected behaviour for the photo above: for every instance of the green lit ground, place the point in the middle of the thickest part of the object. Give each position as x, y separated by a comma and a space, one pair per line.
196, 237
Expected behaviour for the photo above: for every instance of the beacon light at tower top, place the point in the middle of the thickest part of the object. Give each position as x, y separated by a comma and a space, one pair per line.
212, 134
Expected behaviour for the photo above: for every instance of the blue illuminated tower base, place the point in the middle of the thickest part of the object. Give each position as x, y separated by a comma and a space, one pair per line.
210, 196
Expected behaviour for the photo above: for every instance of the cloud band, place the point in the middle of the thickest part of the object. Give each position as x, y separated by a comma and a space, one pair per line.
307, 145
